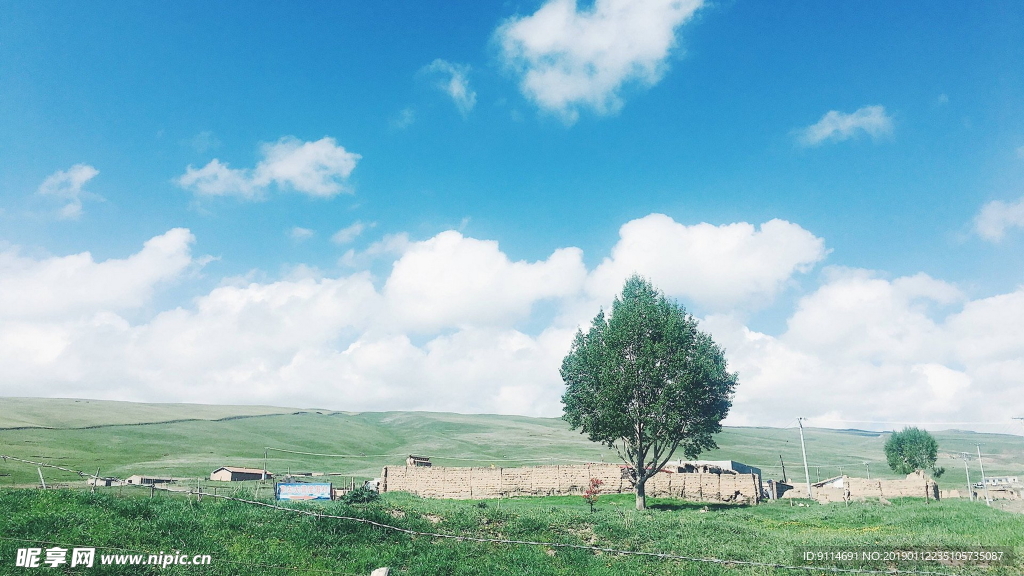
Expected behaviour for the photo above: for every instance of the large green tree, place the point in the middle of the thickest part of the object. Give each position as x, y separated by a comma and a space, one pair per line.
912, 449
646, 382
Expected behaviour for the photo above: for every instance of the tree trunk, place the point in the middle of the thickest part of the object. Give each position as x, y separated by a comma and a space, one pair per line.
641, 495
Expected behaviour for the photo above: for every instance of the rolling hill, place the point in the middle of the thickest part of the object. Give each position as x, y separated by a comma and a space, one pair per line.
122, 438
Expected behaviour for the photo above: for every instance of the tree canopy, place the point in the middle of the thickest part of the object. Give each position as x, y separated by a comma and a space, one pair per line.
911, 449
646, 382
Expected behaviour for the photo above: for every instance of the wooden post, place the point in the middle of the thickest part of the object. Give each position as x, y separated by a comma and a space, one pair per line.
41, 481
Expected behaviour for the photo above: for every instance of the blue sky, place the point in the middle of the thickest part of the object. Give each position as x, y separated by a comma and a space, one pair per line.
711, 126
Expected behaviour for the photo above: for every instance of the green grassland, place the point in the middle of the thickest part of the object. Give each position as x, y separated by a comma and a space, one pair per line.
243, 539
121, 439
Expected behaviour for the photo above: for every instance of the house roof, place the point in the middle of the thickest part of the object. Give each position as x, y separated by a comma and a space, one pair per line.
242, 470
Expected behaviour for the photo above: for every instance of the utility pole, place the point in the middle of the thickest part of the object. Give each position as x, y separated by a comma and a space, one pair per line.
784, 479
970, 489
803, 448
867, 468
983, 483
1021, 418
264, 477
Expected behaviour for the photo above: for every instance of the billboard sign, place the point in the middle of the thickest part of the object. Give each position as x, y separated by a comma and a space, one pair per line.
303, 491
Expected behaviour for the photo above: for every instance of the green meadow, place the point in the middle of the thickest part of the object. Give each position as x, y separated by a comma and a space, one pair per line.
120, 439
243, 539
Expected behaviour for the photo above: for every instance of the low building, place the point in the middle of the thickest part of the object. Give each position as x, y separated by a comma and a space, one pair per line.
999, 481
102, 482
237, 474
712, 467
417, 461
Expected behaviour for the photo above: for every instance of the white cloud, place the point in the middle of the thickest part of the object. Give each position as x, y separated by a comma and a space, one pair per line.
392, 245
71, 285
997, 217
718, 267
317, 341
300, 234
458, 325
451, 280
837, 126
217, 179
866, 352
319, 169
571, 58
351, 232
454, 81
66, 186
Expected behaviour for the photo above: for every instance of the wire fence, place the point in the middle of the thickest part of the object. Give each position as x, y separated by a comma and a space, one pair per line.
731, 563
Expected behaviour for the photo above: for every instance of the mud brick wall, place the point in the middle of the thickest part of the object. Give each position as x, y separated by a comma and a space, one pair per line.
442, 482
914, 485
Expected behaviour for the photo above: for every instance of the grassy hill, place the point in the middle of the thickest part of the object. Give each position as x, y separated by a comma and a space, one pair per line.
79, 413
121, 439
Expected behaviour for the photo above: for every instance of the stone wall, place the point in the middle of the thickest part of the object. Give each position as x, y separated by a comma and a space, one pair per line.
442, 482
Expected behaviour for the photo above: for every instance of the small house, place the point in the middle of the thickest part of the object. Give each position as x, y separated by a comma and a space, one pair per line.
1000, 481
712, 467
236, 474
417, 461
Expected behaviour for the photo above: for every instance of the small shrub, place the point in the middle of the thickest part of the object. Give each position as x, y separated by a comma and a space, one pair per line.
590, 496
360, 495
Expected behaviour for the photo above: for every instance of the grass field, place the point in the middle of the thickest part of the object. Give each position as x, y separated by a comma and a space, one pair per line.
243, 539
161, 439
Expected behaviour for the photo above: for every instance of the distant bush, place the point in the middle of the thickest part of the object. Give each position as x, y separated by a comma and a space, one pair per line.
911, 449
360, 495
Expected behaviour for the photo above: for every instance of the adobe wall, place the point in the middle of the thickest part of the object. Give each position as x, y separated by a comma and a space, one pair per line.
914, 485
443, 482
